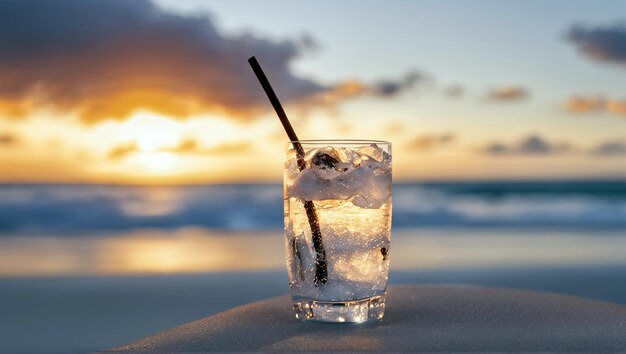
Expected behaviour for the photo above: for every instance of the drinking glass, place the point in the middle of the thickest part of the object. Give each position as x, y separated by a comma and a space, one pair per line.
338, 228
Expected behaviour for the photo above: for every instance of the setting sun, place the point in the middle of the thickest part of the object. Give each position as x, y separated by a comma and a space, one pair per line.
155, 162
152, 133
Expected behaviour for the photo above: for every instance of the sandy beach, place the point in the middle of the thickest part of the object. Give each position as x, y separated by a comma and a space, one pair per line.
86, 314
94, 310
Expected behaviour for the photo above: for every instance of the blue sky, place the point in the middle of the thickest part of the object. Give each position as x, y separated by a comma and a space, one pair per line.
477, 44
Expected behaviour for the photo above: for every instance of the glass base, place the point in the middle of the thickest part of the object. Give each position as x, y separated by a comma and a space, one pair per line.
356, 311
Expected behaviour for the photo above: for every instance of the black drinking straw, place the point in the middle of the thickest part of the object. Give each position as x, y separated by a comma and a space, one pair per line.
321, 269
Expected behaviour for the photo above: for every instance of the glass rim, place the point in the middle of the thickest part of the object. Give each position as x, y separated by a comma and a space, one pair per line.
340, 141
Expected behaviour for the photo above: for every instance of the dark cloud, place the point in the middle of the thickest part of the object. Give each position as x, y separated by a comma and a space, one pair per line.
105, 59
536, 145
355, 88
187, 146
581, 104
388, 88
610, 148
531, 145
429, 142
508, 93
8, 139
605, 44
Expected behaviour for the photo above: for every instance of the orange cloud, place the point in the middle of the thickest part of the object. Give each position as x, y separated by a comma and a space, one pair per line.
579, 104
190, 146
395, 128
187, 146
122, 151
508, 93
118, 57
616, 106
429, 142
226, 149
355, 88
8, 139
584, 104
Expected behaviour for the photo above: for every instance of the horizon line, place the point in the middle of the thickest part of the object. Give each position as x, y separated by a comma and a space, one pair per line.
570, 179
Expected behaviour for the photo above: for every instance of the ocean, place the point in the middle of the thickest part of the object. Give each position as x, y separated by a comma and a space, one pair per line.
66, 210
87, 267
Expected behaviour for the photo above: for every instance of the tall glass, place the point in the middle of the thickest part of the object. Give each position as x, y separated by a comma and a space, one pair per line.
338, 228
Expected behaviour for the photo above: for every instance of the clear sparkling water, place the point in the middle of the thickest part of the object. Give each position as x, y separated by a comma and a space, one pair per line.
351, 190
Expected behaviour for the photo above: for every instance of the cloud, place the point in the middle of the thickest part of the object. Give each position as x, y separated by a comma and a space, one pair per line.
191, 146
122, 151
584, 104
429, 142
507, 93
8, 139
187, 146
395, 127
105, 59
610, 148
538, 146
531, 145
387, 88
580, 104
604, 44
226, 149
616, 106
355, 88
454, 91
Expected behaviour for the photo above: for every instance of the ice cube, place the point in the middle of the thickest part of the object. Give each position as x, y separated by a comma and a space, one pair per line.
328, 158
323, 157
324, 160
291, 170
308, 155
349, 157
312, 184
387, 158
367, 185
372, 151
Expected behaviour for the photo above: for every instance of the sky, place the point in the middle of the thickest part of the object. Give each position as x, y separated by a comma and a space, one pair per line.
160, 92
